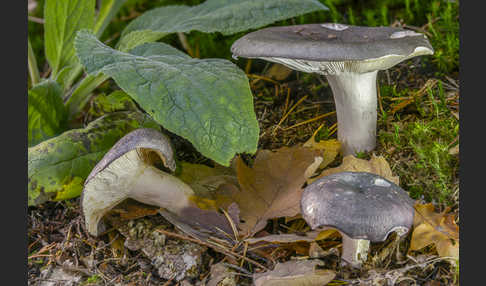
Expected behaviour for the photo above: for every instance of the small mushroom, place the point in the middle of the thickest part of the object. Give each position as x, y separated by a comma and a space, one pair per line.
349, 57
362, 206
127, 171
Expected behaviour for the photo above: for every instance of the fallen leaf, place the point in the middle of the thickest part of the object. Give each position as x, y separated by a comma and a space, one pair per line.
440, 229
295, 273
310, 236
221, 275
376, 165
329, 149
278, 72
116, 242
213, 186
272, 187
454, 150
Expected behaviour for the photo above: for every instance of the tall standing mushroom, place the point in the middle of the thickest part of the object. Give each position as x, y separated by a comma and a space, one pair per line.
127, 171
349, 57
362, 206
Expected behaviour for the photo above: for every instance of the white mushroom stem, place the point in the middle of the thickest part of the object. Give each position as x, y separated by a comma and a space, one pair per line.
356, 103
355, 251
130, 177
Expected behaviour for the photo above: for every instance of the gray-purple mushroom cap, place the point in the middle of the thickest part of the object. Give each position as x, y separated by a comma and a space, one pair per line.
361, 205
332, 48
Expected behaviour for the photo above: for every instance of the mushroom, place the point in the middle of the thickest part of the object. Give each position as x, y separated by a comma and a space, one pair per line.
127, 171
349, 57
362, 206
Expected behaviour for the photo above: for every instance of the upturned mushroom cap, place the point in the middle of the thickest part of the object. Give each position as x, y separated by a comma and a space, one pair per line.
126, 171
332, 48
359, 204
144, 138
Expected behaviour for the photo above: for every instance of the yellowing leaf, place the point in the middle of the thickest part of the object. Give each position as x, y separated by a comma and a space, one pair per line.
329, 149
272, 187
376, 165
435, 228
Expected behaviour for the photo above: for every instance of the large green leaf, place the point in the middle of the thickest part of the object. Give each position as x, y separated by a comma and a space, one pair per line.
208, 101
62, 20
58, 167
46, 112
225, 16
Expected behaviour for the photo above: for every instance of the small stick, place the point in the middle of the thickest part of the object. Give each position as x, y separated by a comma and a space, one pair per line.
185, 43
263, 78
311, 120
248, 66
290, 111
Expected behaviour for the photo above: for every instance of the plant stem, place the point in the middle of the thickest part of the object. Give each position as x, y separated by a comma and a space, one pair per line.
80, 96
355, 251
32, 63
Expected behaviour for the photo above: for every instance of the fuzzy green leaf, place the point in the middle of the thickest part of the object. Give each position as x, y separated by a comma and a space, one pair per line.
62, 20
58, 167
225, 16
207, 101
46, 112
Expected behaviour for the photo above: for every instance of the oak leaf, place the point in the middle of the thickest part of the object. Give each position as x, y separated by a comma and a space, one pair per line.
440, 229
272, 187
376, 165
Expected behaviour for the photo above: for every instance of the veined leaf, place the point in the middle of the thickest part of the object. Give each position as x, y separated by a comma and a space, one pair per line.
58, 167
225, 16
208, 101
62, 20
46, 111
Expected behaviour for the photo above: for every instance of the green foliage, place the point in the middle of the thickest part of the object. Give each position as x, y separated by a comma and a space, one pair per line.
427, 169
47, 116
115, 101
207, 101
179, 93
224, 16
57, 167
62, 20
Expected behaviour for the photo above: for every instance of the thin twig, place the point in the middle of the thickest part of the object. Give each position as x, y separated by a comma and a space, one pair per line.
216, 248
290, 111
185, 44
311, 120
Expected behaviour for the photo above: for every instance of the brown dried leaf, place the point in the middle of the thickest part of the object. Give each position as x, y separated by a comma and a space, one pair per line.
376, 165
295, 273
435, 228
273, 186
292, 237
454, 150
132, 209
